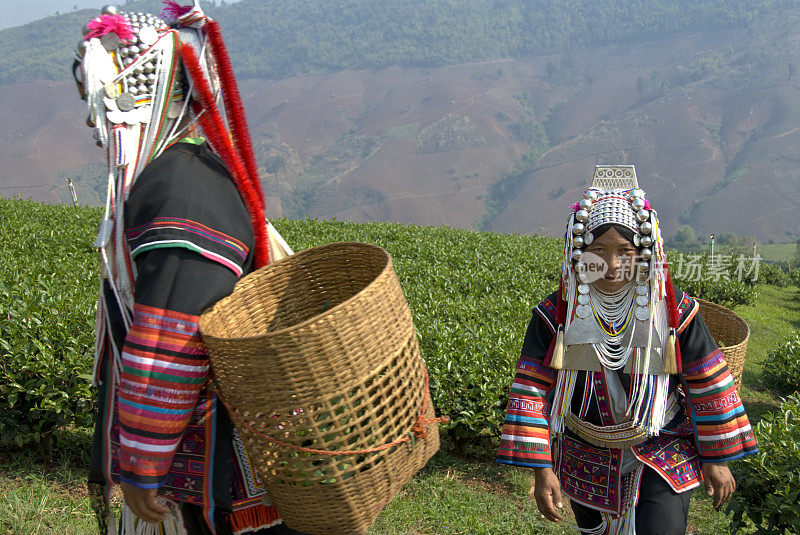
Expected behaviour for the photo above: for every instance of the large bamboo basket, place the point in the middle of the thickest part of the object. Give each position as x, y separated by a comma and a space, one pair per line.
316, 354
731, 332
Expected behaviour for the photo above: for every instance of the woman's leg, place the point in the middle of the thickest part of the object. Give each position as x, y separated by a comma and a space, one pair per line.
660, 510
587, 519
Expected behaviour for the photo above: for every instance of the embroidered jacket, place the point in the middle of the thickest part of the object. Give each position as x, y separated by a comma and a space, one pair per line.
708, 421
190, 239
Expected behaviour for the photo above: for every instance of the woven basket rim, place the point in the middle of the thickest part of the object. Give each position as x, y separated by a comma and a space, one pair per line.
295, 258
731, 315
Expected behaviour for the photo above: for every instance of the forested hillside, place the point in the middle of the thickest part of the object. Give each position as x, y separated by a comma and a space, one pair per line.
469, 113
278, 38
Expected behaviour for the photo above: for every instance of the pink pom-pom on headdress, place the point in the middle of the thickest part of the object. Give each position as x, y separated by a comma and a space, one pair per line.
647, 205
172, 11
108, 24
575, 207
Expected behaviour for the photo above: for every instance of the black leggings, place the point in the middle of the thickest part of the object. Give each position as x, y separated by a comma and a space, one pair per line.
660, 510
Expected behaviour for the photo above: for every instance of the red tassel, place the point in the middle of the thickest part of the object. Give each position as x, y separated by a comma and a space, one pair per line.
673, 316
172, 11
561, 320
234, 107
214, 128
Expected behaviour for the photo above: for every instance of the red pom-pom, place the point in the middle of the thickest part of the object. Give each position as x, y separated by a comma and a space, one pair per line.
108, 24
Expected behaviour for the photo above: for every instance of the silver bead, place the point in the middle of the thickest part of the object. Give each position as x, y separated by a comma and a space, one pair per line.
646, 228
134, 50
578, 229
644, 266
141, 78
149, 68
588, 238
109, 10
642, 216
151, 78
647, 253
638, 203
127, 61
591, 195
139, 69
582, 216
647, 241
637, 194
578, 242
585, 204
124, 52
81, 48
576, 254
143, 89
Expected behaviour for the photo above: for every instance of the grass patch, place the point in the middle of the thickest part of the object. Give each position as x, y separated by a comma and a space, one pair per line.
47, 499
778, 252
773, 317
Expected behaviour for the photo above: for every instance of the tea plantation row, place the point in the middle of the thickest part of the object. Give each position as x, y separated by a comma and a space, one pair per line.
470, 293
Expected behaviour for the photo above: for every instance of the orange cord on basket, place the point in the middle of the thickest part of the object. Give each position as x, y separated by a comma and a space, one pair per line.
417, 431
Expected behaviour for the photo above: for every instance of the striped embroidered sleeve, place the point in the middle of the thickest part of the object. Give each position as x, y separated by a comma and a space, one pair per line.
721, 427
164, 367
165, 232
525, 440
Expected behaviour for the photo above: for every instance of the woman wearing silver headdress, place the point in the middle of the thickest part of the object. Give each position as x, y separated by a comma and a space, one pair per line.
622, 399
184, 220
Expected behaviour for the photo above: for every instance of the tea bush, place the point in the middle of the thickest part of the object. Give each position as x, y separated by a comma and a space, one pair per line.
771, 273
782, 366
48, 286
768, 483
470, 293
728, 281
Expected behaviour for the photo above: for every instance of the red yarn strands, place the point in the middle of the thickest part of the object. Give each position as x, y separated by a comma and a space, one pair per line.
561, 320
214, 128
233, 106
674, 318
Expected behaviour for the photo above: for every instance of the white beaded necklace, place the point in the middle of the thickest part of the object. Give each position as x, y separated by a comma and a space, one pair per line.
614, 309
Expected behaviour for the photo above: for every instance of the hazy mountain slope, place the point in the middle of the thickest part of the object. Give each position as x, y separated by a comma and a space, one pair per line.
710, 120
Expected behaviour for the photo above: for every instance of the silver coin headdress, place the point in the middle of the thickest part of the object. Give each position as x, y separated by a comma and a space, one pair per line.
614, 197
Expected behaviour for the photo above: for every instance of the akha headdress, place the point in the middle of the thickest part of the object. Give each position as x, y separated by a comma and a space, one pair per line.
147, 81
637, 332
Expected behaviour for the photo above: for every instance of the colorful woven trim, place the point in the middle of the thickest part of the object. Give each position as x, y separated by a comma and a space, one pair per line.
167, 232
620, 436
591, 475
164, 367
721, 426
525, 440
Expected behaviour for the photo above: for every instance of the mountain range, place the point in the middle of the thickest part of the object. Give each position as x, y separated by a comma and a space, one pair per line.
473, 114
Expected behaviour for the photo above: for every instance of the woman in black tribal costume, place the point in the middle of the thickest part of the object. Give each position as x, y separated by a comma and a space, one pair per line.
184, 220
622, 399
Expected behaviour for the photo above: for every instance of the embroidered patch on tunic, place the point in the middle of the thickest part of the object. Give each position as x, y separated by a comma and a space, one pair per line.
674, 458
591, 475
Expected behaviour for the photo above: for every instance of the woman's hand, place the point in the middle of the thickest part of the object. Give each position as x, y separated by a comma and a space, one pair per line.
547, 492
719, 482
144, 504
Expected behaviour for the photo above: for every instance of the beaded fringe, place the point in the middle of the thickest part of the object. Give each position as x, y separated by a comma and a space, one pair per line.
130, 524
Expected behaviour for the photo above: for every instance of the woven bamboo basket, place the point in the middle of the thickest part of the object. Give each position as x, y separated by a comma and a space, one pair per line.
316, 357
731, 332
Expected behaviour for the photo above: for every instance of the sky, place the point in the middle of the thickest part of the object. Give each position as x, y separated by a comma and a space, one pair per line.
16, 12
